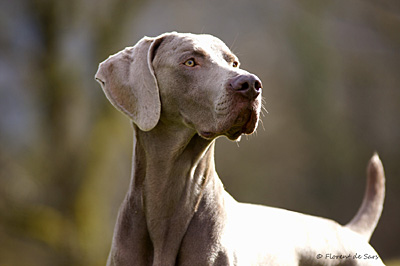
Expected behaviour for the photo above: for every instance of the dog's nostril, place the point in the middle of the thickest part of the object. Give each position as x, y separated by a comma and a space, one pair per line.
244, 86
257, 85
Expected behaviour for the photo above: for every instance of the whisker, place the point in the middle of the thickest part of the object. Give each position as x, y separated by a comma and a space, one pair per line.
265, 109
262, 124
234, 41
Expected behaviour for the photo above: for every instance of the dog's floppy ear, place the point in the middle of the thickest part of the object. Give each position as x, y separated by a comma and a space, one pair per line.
128, 80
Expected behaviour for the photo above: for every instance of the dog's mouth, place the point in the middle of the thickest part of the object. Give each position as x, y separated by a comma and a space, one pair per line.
245, 123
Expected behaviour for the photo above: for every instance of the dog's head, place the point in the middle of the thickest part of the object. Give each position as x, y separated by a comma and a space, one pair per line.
194, 80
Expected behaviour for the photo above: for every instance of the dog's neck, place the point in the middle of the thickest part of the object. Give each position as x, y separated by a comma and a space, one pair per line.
171, 170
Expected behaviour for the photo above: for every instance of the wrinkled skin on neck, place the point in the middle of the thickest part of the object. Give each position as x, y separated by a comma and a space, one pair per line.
171, 179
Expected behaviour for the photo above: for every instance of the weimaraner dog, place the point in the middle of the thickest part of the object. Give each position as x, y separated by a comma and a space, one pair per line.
181, 92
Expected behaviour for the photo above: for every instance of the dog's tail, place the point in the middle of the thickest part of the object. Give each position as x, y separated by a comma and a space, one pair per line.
370, 211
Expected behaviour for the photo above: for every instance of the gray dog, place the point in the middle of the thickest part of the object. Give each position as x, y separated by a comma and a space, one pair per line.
182, 91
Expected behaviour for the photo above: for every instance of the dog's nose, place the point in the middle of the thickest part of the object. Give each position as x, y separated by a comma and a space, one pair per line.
248, 85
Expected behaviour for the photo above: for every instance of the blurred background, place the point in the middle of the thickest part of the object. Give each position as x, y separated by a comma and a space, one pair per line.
330, 71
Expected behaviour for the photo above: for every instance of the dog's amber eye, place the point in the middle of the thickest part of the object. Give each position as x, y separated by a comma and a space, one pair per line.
190, 63
235, 64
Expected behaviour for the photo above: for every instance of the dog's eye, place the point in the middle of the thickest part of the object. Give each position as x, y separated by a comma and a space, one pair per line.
235, 64
190, 63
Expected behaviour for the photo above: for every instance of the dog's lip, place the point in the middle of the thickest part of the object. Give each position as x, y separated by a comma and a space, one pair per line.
207, 135
245, 123
251, 124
